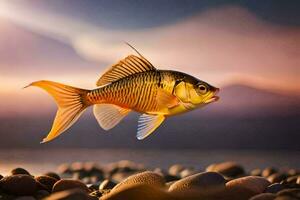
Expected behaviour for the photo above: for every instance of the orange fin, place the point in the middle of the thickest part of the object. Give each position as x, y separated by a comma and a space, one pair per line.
71, 103
165, 99
126, 67
147, 124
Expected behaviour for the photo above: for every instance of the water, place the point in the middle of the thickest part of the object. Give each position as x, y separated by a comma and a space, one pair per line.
40, 161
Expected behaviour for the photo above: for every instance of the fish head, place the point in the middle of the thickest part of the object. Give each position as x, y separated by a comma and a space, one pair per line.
196, 92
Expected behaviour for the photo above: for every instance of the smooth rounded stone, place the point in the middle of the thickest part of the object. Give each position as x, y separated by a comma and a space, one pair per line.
291, 179
277, 177
120, 176
137, 192
19, 171
67, 184
93, 170
187, 172
64, 169
73, 194
263, 196
145, 178
40, 194
47, 182
229, 169
168, 184
288, 194
78, 175
206, 181
19, 184
175, 170
25, 198
274, 188
268, 171
298, 180
168, 177
293, 172
53, 175
77, 167
253, 184
107, 185
256, 172
124, 166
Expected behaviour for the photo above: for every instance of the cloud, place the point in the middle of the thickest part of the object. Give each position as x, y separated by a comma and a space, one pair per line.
218, 45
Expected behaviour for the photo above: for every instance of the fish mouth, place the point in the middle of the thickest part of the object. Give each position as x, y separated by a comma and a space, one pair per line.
214, 98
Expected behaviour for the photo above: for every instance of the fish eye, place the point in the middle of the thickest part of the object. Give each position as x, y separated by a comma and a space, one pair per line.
202, 88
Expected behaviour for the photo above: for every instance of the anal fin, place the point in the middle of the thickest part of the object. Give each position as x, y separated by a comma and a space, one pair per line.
109, 115
147, 124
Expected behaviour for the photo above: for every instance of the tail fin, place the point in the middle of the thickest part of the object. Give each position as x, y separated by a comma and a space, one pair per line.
71, 103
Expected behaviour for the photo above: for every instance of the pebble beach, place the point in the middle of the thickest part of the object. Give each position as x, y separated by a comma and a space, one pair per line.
126, 180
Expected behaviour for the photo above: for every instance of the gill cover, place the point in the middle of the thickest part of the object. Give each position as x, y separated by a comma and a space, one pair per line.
185, 91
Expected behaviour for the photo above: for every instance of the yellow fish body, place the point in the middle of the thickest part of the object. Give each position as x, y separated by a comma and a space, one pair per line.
133, 84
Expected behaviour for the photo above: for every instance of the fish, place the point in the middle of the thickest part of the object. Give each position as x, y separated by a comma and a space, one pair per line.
132, 84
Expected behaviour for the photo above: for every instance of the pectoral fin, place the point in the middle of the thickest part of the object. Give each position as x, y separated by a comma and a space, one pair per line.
109, 115
165, 99
147, 124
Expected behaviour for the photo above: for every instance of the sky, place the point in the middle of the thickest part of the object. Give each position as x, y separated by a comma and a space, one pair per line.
74, 41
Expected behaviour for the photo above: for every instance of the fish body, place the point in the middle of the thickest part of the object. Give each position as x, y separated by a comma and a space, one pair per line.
132, 84
140, 91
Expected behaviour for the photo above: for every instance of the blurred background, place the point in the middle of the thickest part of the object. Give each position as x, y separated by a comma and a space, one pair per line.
249, 49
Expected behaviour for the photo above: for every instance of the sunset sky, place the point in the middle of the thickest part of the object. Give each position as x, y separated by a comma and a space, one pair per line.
73, 41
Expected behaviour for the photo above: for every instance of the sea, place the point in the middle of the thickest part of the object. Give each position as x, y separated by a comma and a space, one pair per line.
39, 161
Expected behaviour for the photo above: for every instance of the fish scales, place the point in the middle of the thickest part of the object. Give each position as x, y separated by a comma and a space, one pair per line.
137, 92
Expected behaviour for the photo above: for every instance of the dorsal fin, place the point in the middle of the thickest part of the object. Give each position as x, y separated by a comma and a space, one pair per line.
128, 66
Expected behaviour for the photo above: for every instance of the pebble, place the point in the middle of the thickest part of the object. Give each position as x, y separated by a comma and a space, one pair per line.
120, 176
53, 175
1, 176
256, 172
268, 171
201, 182
175, 170
73, 194
19, 184
254, 184
19, 171
40, 194
168, 177
137, 192
292, 179
64, 169
221, 181
145, 178
47, 182
107, 184
187, 172
67, 184
288, 194
263, 196
229, 169
274, 188
277, 177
